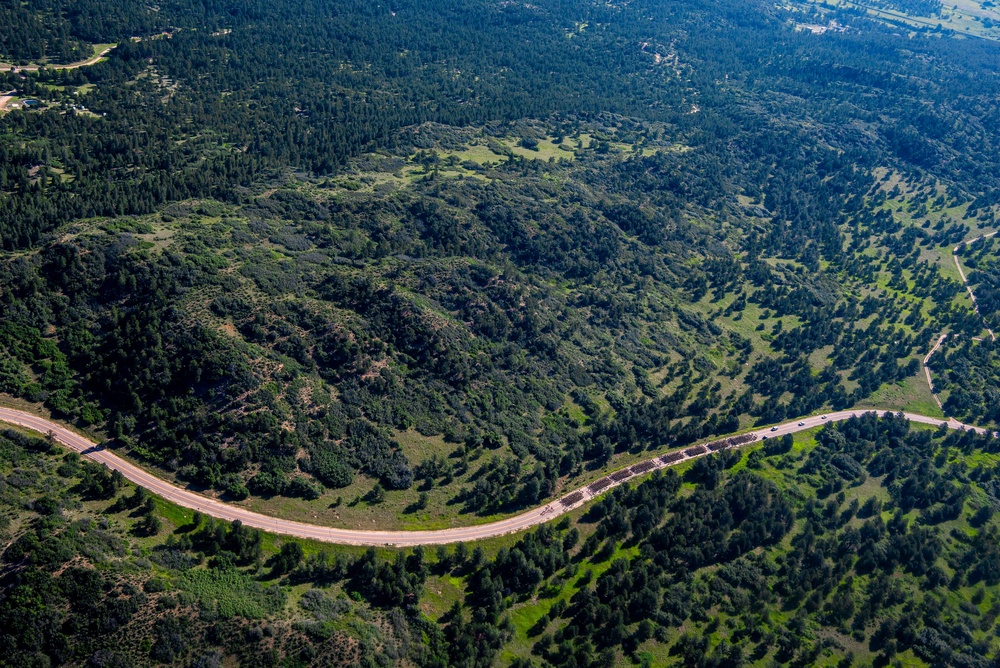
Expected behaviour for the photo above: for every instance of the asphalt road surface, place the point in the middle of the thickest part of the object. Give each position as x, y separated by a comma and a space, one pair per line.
535, 516
71, 66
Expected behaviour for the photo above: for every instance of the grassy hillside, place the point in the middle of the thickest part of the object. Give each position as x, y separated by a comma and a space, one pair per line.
426, 264
469, 336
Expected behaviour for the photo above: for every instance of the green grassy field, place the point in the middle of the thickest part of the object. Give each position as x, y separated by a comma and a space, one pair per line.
969, 18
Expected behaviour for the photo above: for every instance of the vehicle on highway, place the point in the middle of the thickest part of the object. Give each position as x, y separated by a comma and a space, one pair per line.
822, 417
802, 424
774, 429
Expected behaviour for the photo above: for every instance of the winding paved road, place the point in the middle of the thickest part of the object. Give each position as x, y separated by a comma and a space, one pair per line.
69, 66
224, 511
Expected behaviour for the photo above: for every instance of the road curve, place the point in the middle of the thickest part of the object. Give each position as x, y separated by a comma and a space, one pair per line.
93, 60
218, 509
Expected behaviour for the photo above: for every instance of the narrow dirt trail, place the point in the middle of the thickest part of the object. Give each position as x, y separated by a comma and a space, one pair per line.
975, 307
961, 272
927, 371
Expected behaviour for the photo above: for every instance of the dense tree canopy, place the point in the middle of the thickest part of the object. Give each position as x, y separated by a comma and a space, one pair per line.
451, 257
